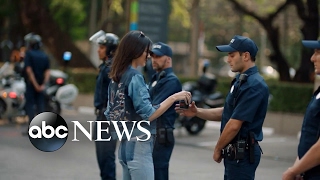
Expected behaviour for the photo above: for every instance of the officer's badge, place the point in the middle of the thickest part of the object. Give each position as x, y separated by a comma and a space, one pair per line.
154, 83
232, 88
318, 96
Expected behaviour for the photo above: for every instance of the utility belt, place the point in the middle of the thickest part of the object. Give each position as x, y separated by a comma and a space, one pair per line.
236, 150
165, 136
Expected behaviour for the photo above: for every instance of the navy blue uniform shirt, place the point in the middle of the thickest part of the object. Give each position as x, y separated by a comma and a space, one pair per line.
163, 85
103, 80
310, 126
247, 103
39, 62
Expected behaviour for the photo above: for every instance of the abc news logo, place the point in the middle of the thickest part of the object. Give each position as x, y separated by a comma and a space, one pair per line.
48, 131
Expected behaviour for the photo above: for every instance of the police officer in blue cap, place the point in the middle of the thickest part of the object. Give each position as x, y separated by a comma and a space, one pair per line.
306, 162
162, 85
243, 114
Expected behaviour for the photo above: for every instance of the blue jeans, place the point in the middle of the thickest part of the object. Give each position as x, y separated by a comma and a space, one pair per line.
161, 158
34, 98
105, 152
242, 169
136, 159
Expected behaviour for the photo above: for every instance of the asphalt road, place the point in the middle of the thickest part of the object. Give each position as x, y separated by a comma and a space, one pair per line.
191, 159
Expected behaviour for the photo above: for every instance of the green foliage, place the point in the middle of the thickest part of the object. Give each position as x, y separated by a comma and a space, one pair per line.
286, 97
71, 16
85, 81
290, 97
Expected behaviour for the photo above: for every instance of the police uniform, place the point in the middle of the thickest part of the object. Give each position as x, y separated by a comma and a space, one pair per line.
163, 85
105, 150
247, 101
39, 63
310, 132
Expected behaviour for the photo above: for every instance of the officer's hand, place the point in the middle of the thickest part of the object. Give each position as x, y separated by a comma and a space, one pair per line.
217, 156
190, 112
40, 88
290, 175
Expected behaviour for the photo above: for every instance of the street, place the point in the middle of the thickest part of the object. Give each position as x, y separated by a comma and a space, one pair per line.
191, 159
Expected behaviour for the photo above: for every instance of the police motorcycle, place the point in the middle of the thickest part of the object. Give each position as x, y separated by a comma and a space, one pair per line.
12, 88
204, 96
58, 92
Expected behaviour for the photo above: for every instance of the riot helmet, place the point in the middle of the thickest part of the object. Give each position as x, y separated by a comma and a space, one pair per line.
33, 41
109, 40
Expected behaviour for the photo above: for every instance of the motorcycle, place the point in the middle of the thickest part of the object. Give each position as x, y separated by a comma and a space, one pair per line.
58, 91
12, 100
204, 96
13, 87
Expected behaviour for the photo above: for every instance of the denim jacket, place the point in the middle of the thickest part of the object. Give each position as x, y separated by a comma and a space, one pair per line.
129, 100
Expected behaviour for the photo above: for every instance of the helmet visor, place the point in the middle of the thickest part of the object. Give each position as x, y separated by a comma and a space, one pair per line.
98, 37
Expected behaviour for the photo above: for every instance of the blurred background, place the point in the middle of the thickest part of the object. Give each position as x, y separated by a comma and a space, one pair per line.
191, 27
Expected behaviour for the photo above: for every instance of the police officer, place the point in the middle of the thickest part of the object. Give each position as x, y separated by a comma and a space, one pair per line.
243, 114
36, 74
105, 150
310, 130
162, 85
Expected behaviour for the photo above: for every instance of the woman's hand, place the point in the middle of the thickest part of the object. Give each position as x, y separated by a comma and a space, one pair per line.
183, 95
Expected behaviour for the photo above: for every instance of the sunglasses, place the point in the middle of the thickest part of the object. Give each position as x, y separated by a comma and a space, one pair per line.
141, 34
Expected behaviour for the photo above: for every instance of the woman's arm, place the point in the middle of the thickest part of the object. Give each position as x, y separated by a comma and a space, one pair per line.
138, 92
166, 104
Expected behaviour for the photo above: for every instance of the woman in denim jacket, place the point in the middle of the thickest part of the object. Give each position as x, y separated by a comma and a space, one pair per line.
129, 101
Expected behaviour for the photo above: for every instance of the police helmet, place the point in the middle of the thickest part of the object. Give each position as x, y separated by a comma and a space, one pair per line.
109, 40
33, 40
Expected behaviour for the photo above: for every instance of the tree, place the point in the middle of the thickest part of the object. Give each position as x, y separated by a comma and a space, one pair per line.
36, 18
194, 54
309, 14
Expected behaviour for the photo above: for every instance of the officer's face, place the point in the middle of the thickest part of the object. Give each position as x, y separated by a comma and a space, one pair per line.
158, 62
315, 58
102, 52
235, 61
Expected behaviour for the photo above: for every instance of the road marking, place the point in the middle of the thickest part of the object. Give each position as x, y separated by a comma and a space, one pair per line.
86, 110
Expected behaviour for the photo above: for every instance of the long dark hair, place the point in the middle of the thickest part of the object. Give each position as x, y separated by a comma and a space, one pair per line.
131, 46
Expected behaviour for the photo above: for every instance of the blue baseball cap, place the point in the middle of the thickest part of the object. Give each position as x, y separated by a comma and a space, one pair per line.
161, 49
314, 44
241, 44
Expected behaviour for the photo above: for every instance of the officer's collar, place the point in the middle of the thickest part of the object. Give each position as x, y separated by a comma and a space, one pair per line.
317, 91
108, 61
168, 70
249, 71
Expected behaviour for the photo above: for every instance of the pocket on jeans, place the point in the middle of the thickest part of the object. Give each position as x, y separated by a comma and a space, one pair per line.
130, 150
